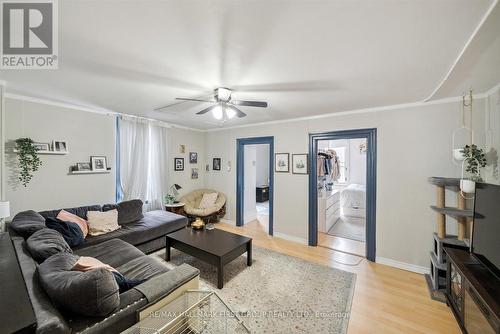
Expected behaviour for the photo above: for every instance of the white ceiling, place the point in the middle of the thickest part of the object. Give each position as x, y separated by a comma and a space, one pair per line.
302, 57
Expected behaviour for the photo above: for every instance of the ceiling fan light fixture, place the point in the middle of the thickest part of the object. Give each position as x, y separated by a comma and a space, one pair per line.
230, 113
217, 112
223, 94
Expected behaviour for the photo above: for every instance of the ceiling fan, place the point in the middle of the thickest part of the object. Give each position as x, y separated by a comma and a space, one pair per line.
224, 106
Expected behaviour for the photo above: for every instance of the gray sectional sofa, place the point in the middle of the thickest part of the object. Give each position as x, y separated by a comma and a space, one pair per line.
123, 250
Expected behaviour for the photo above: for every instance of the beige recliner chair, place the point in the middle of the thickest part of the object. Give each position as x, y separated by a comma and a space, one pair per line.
212, 214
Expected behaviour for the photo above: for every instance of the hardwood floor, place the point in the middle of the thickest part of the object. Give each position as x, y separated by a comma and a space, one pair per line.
386, 299
341, 244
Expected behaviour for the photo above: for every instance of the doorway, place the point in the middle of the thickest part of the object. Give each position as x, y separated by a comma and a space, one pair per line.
254, 182
342, 191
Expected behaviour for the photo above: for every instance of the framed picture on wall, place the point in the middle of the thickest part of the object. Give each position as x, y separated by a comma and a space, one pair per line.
194, 173
282, 162
98, 164
178, 164
216, 164
299, 164
60, 146
42, 146
193, 157
83, 166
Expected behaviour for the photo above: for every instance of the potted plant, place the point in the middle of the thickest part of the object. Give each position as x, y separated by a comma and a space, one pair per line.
29, 162
475, 159
169, 199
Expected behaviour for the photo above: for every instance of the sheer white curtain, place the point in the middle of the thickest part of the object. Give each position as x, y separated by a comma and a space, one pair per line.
143, 162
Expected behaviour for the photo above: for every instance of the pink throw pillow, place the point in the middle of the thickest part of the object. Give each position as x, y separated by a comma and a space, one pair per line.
69, 217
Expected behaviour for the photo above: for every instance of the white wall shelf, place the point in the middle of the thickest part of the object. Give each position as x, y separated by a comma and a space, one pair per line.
46, 152
81, 172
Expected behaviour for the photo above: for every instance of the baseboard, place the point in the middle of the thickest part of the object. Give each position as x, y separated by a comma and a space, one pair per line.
402, 265
290, 238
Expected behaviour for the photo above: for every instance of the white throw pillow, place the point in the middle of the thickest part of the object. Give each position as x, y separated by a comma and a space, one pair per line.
102, 222
208, 200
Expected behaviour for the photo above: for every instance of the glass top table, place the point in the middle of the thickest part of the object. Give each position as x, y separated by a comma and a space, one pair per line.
194, 312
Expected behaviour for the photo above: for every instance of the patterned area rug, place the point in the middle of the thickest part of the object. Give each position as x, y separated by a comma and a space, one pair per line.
280, 293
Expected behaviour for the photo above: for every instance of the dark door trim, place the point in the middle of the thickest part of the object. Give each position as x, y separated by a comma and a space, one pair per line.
371, 183
240, 172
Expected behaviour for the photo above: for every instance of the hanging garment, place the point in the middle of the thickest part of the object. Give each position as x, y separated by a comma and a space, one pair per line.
321, 166
335, 171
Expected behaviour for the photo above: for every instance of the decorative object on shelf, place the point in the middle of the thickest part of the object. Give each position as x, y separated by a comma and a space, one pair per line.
59, 146
463, 135
178, 164
193, 157
182, 148
42, 146
299, 164
194, 173
98, 163
198, 224
362, 148
173, 192
282, 162
83, 166
4, 213
216, 164
475, 159
29, 162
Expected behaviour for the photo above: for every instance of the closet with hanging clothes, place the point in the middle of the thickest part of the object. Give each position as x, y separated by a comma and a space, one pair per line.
328, 197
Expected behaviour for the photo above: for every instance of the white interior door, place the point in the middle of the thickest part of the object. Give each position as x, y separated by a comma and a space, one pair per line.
250, 183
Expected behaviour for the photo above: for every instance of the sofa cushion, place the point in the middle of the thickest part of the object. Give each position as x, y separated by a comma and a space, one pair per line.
114, 252
69, 217
102, 222
27, 222
128, 211
70, 231
91, 293
80, 211
48, 319
46, 242
154, 225
208, 200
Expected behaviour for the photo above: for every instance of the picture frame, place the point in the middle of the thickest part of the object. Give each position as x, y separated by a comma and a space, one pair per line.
182, 148
98, 163
193, 157
178, 164
216, 164
194, 173
300, 164
60, 146
282, 162
83, 166
42, 146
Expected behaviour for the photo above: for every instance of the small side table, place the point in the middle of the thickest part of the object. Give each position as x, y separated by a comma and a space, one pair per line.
177, 208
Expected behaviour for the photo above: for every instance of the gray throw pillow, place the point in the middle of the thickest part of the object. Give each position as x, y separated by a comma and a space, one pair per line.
27, 222
46, 242
128, 211
94, 293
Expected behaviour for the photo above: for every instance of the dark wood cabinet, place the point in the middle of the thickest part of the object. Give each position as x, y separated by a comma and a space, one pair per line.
473, 293
262, 194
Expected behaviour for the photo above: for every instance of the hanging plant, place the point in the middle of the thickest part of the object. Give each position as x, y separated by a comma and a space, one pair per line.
29, 162
475, 159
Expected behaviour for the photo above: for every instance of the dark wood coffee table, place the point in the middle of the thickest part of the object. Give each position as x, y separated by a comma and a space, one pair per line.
215, 247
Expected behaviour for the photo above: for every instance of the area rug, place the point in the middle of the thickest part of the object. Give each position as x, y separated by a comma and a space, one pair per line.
349, 227
279, 293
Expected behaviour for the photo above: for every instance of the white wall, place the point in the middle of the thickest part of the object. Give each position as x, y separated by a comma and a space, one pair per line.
357, 162
193, 141
413, 144
262, 164
51, 187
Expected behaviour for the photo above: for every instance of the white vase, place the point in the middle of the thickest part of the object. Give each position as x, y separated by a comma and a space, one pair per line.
468, 186
458, 154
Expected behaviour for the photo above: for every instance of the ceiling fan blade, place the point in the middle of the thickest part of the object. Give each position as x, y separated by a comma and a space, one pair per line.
182, 101
197, 100
258, 104
204, 111
239, 113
